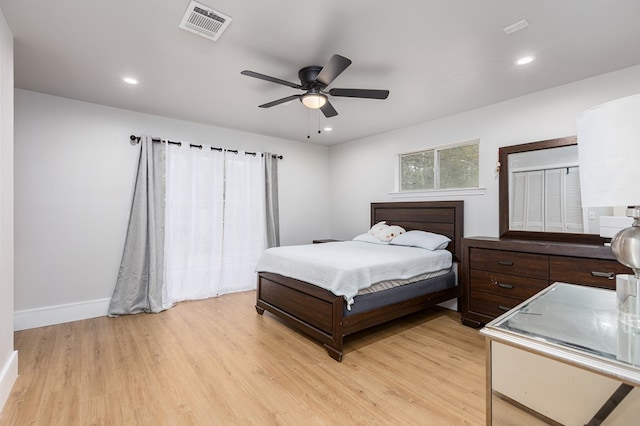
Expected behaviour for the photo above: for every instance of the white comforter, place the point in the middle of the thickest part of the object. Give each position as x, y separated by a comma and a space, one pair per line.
346, 267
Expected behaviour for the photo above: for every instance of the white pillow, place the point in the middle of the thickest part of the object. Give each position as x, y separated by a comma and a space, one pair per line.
378, 227
368, 238
390, 232
422, 239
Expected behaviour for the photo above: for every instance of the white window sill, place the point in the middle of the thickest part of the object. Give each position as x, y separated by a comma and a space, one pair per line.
438, 193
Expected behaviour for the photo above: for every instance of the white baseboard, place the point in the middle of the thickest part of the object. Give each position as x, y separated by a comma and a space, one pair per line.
8, 376
50, 315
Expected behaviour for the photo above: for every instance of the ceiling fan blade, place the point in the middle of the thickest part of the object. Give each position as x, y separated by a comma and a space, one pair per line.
334, 68
360, 93
328, 110
279, 101
271, 79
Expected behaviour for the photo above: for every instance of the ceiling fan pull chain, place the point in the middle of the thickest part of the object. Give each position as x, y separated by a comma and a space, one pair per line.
308, 124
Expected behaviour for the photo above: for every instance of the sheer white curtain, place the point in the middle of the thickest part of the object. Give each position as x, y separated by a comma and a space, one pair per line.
194, 222
244, 221
215, 227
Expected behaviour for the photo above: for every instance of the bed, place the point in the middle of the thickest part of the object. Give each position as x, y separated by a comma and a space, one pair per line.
326, 317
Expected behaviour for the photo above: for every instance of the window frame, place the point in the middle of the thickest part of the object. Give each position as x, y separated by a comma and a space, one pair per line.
436, 170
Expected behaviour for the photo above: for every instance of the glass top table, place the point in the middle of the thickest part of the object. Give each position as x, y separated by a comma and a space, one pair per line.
572, 316
575, 323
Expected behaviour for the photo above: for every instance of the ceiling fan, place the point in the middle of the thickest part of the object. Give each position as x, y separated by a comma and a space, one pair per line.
314, 80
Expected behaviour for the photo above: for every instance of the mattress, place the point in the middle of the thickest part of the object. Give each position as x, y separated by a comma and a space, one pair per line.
347, 267
369, 301
385, 285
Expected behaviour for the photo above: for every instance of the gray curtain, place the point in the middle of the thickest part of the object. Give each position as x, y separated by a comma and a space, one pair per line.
271, 195
140, 283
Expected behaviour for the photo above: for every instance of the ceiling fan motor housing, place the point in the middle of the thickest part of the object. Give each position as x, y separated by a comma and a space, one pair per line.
307, 76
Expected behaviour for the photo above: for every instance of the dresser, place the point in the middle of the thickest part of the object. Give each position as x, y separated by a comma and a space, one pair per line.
499, 274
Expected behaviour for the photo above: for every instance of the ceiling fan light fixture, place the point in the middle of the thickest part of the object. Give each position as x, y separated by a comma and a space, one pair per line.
313, 100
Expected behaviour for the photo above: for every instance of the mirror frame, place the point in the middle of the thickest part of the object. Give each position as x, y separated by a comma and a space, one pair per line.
505, 232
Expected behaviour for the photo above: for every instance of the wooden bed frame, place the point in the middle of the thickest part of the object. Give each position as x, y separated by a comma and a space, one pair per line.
320, 314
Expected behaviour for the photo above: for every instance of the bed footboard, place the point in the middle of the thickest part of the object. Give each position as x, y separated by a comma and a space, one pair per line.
307, 308
320, 314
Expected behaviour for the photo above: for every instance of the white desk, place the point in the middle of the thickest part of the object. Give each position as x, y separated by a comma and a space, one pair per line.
553, 360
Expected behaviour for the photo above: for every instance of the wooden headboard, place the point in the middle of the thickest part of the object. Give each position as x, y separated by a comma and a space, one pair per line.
440, 217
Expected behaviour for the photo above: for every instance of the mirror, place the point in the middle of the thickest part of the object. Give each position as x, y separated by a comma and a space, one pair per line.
540, 194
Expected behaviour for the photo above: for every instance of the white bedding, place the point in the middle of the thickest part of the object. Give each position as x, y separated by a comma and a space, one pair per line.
346, 267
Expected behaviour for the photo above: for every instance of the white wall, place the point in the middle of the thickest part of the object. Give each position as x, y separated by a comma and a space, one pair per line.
8, 357
74, 170
363, 171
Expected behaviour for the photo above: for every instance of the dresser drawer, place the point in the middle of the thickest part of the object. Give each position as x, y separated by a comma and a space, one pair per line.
506, 285
507, 262
593, 272
491, 304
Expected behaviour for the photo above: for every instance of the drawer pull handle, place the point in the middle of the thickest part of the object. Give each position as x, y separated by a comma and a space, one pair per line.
507, 286
505, 262
607, 275
504, 308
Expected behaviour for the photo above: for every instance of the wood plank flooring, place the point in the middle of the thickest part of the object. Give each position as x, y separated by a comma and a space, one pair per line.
217, 361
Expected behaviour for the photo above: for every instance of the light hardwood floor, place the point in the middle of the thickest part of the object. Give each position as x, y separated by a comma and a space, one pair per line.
217, 361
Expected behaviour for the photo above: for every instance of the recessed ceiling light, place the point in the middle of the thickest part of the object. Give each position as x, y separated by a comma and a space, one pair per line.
328, 129
129, 80
525, 60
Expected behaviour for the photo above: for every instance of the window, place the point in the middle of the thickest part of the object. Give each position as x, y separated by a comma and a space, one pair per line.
440, 168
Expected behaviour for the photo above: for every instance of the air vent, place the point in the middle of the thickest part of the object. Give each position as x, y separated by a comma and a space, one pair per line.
204, 21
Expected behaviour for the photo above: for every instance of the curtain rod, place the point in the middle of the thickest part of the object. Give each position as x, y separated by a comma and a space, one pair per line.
235, 151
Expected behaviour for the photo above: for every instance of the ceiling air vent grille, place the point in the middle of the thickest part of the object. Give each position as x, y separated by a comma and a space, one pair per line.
204, 21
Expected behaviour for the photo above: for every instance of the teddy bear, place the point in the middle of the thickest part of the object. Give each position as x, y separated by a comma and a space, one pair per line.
390, 232
378, 227
386, 232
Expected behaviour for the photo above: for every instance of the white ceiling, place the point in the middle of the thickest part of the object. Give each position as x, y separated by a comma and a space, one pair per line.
437, 57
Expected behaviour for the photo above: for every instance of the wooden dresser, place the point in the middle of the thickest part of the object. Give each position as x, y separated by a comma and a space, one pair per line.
498, 274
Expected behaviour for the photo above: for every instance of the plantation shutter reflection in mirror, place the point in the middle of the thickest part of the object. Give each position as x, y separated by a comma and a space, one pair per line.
547, 200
